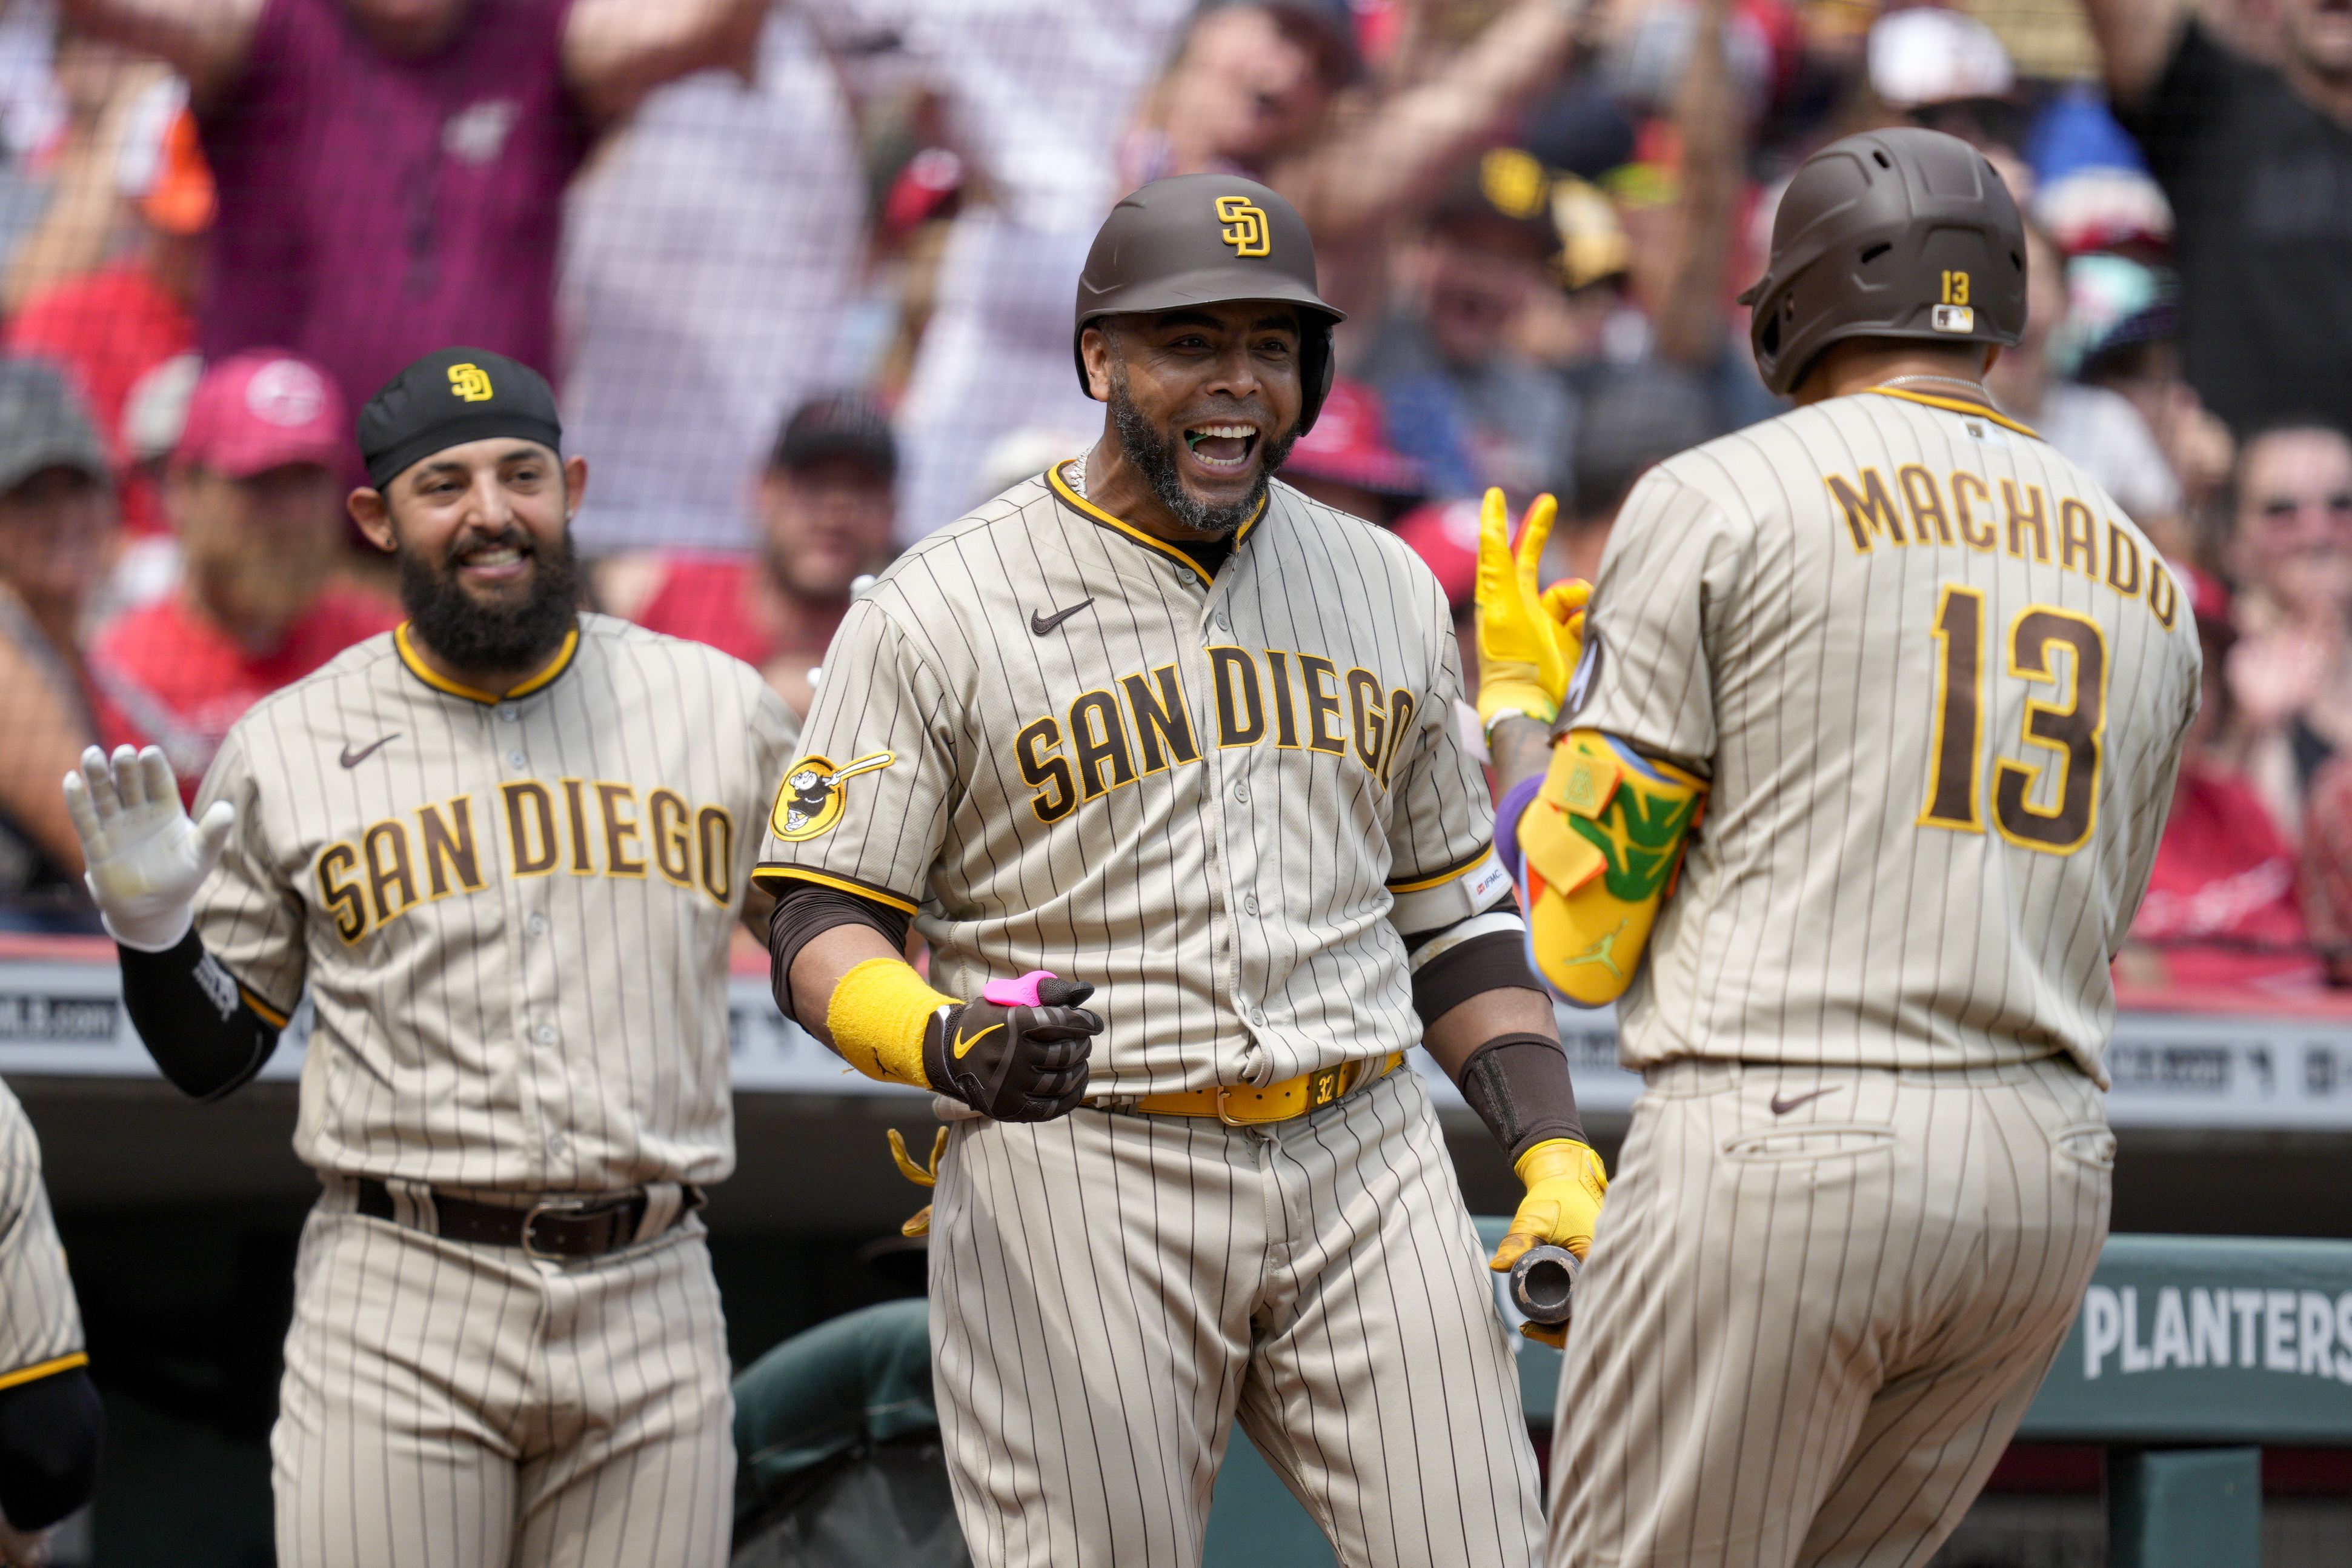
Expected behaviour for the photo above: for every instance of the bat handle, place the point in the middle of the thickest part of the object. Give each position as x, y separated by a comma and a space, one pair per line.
1543, 1284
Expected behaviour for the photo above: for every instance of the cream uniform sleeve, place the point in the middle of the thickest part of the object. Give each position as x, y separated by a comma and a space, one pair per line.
1668, 578
40, 1323
864, 802
775, 733
249, 919
1441, 817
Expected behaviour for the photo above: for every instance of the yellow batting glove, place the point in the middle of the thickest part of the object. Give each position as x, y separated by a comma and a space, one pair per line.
1565, 602
1565, 1182
1528, 641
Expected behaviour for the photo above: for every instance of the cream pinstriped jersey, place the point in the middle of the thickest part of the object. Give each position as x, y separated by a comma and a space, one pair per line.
1206, 799
41, 1322
512, 915
1940, 682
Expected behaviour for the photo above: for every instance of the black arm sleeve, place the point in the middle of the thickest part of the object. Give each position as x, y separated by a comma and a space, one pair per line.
50, 1431
195, 1019
805, 911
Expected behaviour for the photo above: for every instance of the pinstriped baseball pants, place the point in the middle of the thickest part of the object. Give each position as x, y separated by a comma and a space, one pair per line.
453, 1406
1110, 1291
1805, 1335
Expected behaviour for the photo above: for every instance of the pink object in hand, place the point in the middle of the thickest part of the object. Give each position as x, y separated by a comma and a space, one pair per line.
1021, 993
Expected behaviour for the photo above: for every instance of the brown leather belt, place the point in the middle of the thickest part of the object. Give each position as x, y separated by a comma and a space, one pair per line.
556, 1227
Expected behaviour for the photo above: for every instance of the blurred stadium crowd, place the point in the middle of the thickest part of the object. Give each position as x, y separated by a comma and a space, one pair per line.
802, 273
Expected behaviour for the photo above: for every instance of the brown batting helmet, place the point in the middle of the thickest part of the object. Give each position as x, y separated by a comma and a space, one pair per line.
1901, 233
1207, 239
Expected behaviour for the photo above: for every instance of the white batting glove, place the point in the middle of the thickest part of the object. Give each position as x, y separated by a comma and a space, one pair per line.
146, 858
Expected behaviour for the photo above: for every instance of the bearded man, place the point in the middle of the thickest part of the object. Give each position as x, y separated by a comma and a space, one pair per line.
1155, 730
502, 847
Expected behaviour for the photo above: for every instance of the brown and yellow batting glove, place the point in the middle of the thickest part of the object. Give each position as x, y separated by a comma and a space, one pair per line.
1018, 1053
1528, 640
1566, 1183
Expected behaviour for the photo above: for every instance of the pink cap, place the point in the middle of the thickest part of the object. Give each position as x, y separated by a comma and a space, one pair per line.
260, 410
1350, 445
2209, 600
1446, 535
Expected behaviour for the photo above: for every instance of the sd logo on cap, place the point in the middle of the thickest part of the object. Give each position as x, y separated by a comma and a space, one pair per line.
449, 398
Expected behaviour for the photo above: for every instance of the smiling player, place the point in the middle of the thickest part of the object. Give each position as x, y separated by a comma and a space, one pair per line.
502, 848
1160, 724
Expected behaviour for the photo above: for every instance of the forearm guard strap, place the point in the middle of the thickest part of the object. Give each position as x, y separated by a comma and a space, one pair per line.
1520, 1087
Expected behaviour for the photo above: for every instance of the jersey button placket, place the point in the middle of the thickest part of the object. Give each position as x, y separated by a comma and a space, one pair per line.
1244, 970
535, 962
1200, 677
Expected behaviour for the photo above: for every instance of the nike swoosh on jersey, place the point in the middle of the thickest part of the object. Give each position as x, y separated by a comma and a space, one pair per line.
354, 759
1040, 623
1782, 1106
963, 1044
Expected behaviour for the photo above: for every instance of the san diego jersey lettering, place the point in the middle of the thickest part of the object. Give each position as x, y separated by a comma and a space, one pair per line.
1204, 798
473, 890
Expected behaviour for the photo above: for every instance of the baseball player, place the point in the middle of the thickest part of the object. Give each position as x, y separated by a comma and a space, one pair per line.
1152, 732
502, 847
50, 1415
1858, 782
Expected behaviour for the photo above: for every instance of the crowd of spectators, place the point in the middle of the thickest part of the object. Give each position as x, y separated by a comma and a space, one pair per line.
801, 271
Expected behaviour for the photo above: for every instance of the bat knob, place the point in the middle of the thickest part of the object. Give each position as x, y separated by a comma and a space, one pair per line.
1543, 1284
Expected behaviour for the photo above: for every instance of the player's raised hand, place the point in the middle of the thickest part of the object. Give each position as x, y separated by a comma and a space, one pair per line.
1565, 1182
146, 858
1528, 640
1019, 1053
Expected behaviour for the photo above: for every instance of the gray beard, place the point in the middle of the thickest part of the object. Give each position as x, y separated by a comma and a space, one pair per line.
1154, 457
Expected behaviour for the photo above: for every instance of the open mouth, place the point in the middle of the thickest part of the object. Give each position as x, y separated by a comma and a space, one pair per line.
1222, 448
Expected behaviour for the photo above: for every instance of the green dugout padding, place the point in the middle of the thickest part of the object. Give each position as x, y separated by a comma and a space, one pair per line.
2190, 1354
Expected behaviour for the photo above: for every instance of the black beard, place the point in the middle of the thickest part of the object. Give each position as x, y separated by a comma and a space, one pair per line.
1154, 457
457, 627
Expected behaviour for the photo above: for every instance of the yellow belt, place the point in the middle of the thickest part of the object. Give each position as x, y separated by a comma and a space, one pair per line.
1242, 1105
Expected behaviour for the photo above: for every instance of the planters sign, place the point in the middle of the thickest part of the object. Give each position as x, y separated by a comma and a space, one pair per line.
2207, 1340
